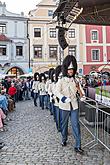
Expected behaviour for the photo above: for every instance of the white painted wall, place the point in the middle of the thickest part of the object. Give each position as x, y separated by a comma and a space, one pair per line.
16, 31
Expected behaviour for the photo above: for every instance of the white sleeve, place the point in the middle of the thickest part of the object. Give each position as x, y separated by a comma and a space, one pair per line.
58, 89
50, 89
33, 85
46, 86
82, 89
39, 86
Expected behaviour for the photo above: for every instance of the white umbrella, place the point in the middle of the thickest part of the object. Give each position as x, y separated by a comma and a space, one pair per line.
27, 75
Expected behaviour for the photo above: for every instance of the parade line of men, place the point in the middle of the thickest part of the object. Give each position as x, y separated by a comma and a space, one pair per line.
56, 92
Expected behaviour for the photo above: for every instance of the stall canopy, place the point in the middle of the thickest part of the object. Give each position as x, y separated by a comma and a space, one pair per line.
94, 12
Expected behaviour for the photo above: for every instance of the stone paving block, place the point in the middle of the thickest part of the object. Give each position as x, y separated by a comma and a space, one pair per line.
32, 139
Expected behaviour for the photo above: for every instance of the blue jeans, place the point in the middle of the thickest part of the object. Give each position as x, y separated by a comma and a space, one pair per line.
53, 111
58, 117
27, 94
35, 98
40, 97
74, 117
42, 100
47, 101
50, 108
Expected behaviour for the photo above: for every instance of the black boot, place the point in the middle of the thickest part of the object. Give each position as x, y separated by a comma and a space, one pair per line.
1, 145
63, 144
79, 150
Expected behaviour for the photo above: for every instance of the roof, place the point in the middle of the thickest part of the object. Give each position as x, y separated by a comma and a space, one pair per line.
4, 38
94, 12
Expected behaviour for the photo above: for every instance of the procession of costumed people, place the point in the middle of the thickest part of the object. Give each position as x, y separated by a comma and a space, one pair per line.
57, 92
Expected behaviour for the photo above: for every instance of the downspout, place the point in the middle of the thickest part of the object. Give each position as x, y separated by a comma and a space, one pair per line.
28, 43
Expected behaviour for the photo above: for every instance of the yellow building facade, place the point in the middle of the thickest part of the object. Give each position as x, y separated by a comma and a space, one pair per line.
45, 51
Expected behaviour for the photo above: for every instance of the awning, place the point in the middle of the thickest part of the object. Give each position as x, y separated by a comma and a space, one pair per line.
104, 68
94, 12
4, 38
90, 3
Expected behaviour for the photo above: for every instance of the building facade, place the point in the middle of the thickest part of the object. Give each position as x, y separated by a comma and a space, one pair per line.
45, 51
14, 58
31, 44
96, 48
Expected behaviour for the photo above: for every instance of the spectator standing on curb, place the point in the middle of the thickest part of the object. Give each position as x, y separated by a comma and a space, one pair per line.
35, 87
42, 90
12, 91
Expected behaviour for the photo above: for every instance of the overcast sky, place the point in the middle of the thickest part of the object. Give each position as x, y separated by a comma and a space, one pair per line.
18, 6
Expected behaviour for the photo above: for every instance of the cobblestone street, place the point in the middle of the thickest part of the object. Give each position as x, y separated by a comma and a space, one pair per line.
32, 139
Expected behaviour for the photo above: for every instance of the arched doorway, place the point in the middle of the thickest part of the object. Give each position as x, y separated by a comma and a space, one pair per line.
15, 71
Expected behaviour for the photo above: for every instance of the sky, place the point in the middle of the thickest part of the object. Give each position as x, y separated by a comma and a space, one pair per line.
18, 6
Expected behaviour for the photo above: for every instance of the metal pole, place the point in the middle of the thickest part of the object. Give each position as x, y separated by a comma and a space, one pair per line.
29, 45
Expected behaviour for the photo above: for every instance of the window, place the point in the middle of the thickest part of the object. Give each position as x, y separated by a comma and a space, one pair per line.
71, 33
37, 32
2, 50
72, 50
95, 55
19, 50
53, 51
38, 51
16, 71
52, 33
50, 12
94, 35
2, 28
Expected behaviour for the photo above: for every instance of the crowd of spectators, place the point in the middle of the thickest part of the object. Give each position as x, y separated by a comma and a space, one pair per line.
95, 81
12, 90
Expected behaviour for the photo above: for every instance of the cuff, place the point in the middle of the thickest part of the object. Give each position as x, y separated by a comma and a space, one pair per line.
63, 99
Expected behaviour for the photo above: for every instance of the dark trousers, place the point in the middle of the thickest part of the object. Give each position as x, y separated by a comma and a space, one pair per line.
43, 101
35, 98
74, 117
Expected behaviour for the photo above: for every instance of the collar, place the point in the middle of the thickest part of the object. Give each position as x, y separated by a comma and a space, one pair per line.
67, 79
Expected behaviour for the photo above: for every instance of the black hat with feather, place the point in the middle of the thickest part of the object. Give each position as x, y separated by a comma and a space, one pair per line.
69, 62
58, 71
42, 77
49, 73
52, 75
36, 76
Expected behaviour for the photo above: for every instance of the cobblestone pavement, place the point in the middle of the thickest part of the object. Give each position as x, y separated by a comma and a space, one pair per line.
32, 139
